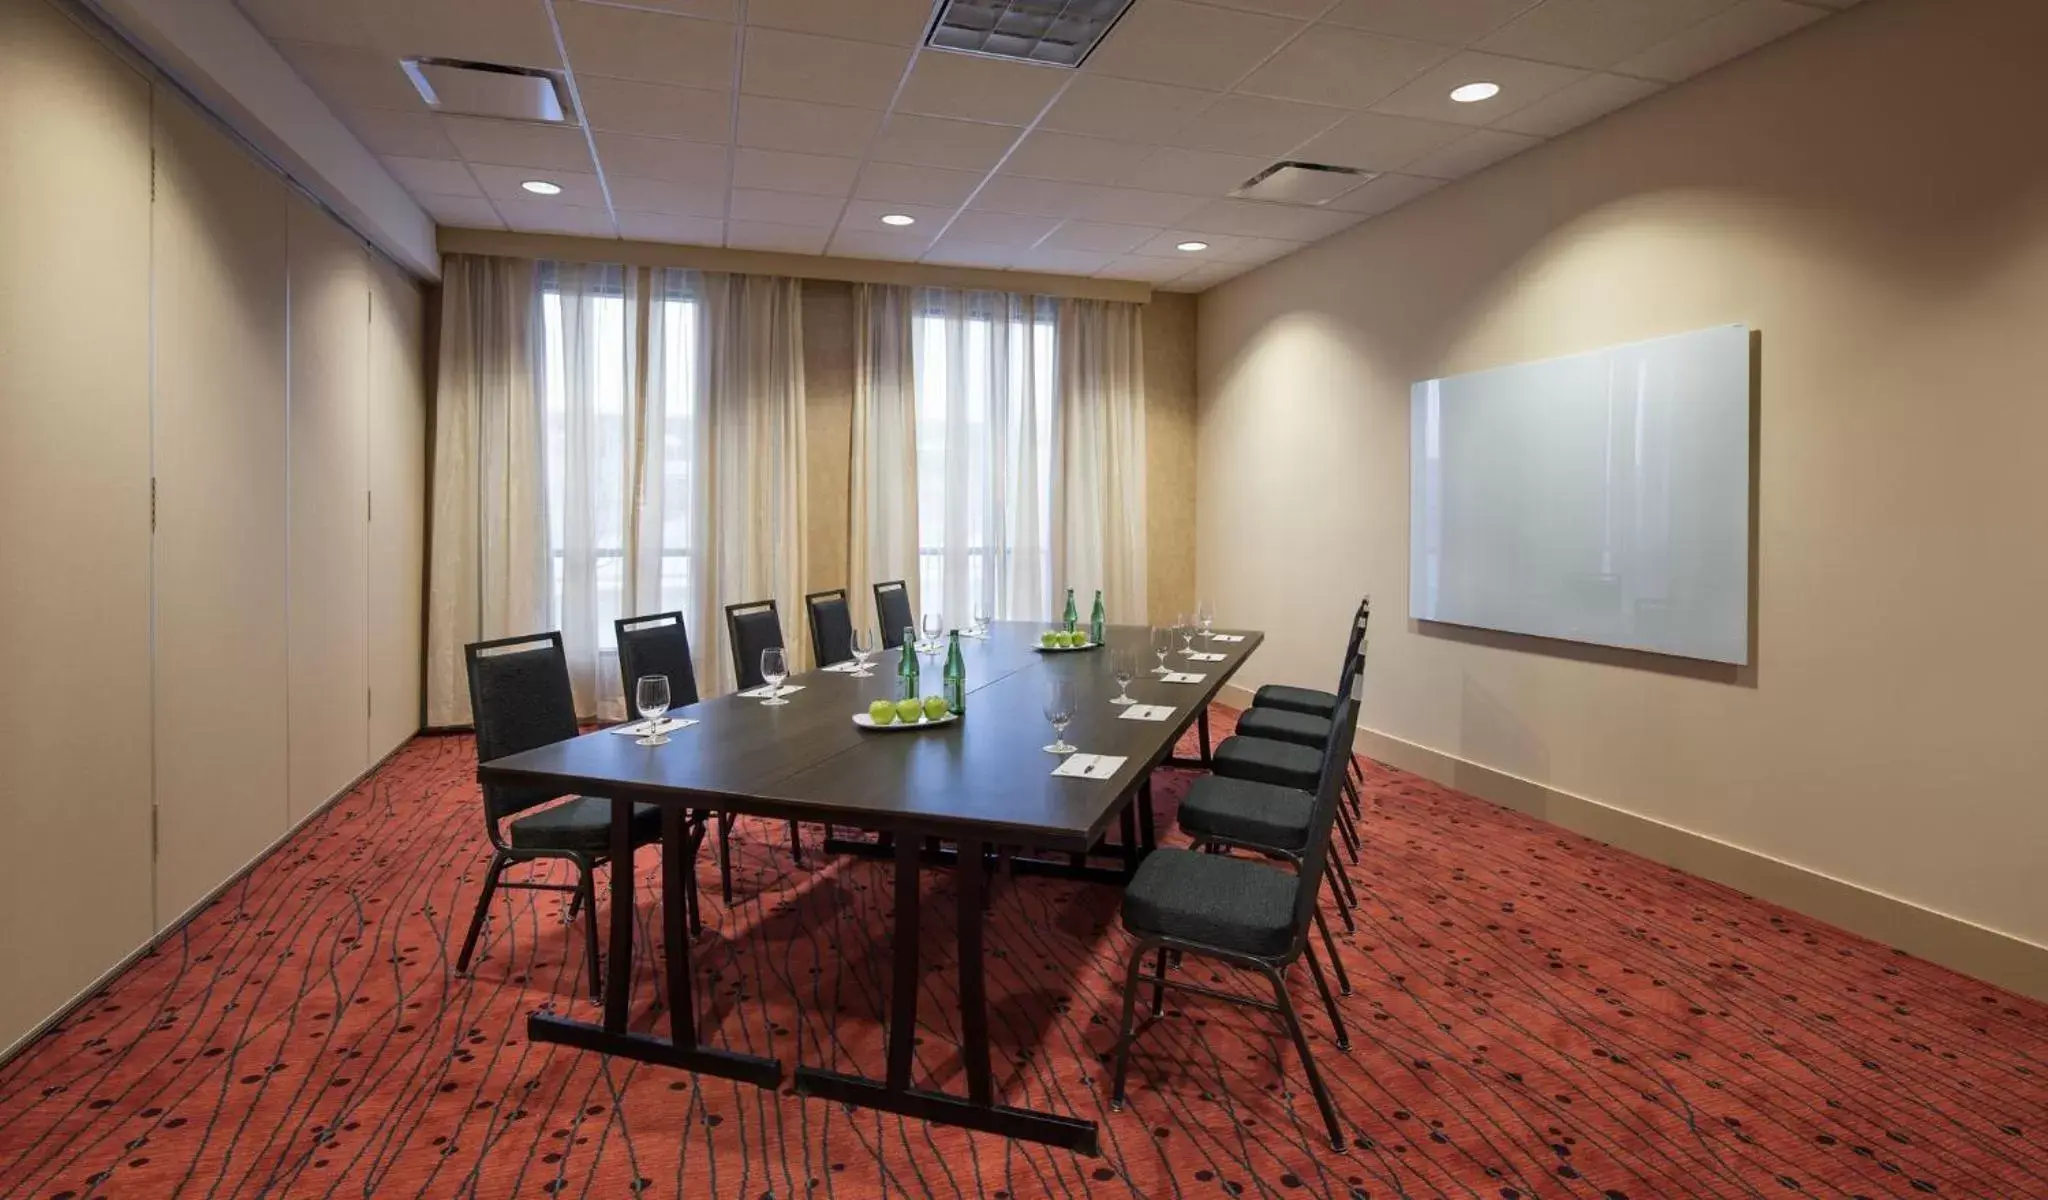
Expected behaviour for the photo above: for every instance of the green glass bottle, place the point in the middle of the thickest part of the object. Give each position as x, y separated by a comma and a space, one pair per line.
956, 679
1098, 622
1073, 615
906, 666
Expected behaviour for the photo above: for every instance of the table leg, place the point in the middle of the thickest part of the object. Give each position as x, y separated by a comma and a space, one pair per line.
618, 980
1148, 831
1204, 761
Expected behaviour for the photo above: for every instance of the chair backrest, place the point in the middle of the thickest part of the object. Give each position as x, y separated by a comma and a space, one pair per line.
892, 609
751, 628
520, 699
1355, 646
831, 626
1329, 790
657, 644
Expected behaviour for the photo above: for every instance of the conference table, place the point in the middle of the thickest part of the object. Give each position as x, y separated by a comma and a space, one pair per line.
983, 784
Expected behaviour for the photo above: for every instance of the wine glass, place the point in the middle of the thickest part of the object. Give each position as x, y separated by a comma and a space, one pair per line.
1205, 616
1185, 628
651, 698
1059, 709
934, 625
861, 645
775, 669
981, 619
1125, 664
1162, 645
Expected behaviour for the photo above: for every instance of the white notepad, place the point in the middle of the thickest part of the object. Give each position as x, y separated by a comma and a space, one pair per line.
1226, 637
1181, 677
1199, 656
668, 725
1146, 712
845, 668
1089, 766
764, 691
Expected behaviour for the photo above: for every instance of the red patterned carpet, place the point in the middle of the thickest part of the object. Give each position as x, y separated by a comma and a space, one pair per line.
1536, 1016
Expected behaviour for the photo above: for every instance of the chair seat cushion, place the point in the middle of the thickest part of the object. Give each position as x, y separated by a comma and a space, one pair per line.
1233, 904
1246, 813
1295, 699
1285, 725
1263, 760
582, 824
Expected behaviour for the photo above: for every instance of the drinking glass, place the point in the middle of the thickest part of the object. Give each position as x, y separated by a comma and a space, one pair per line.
775, 669
1184, 627
862, 645
1162, 645
1059, 709
981, 619
650, 696
934, 625
1205, 616
1125, 664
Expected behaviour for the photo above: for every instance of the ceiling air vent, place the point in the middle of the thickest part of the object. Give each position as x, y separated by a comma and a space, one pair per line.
1301, 183
1055, 33
477, 89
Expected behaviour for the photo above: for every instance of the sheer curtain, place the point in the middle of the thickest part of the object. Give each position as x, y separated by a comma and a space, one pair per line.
882, 505
1099, 472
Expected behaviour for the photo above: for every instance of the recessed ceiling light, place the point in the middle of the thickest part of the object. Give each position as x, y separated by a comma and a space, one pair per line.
1473, 93
541, 187
1191, 247
898, 219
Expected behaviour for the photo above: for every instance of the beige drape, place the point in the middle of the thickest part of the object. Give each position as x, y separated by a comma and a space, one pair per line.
1099, 456
882, 506
488, 568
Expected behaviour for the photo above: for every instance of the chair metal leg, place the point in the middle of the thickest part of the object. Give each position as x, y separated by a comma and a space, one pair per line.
1351, 794
586, 886
575, 906
1315, 968
1352, 768
1159, 989
725, 821
796, 845
1346, 832
1308, 1062
1125, 1033
1336, 960
1343, 907
483, 904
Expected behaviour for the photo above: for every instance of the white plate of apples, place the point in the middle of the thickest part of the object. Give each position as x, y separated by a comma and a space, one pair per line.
895, 716
1054, 641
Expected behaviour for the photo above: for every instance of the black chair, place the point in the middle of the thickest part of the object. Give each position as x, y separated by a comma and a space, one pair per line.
659, 644
1298, 715
752, 627
520, 697
831, 626
1241, 912
892, 610
1280, 697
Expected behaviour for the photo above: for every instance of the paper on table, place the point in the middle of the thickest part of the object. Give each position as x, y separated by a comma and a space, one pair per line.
764, 692
1198, 656
1226, 637
1089, 766
668, 725
843, 668
1146, 712
1181, 677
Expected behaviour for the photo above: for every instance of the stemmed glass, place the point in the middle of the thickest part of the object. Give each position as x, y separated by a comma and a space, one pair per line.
1205, 616
1125, 665
1185, 627
862, 645
981, 619
934, 624
775, 669
651, 698
1162, 645
1059, 709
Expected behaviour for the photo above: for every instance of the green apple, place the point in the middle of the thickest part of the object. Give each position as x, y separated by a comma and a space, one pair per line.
881, 712
1071, 640
1049, 638
934, 707
909, 710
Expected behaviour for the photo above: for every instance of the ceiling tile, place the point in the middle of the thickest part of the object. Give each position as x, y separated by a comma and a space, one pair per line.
1249, 218
1096, 237
519, 143
999, 229
630, 43
958, 252
1195, 172
717, 10
781, 171
662, 158
462, 212
1476, 150
1522, 83
1384, 193
1596, 33
973, 88
320, 21
1344, 67
786, 239
1014, 193
1169, 41
787, 208
668, 227
1721, 37
1062, 262
1150, 268
441, 177
1255, 126
655, 110
1445, 22
866, 215
1304, 9
545, 216
1254, 250
903, 245
803, 66
896, 22
1102, 106
1071, 157
1132, 206
353, 78
385, 131
1589, 99
1377, 142
579, 188
933, 142
666, 196
916, 185
768, 123
515, 32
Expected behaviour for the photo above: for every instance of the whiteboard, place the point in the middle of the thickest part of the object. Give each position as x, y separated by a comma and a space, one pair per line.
1599, 498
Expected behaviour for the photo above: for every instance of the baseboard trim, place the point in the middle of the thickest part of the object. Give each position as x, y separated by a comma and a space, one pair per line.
107, 976
1997, 958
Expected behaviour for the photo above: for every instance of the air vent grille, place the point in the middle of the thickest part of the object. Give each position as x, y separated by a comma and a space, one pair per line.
1301, 183
1058, 33
478, 89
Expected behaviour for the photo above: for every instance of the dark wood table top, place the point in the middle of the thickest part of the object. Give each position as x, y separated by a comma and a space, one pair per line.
986, 776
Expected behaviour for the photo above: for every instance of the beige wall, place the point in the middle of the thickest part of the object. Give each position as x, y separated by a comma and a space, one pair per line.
1870, 194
